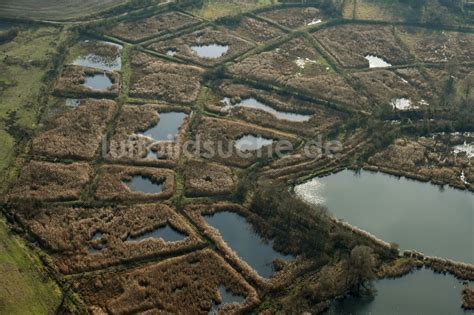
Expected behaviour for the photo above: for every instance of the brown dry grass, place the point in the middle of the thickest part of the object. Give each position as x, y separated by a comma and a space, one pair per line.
207, 179
468, 298
436, 46
73, 77
155, 79
181, 285
126, 145
294, 17
428, 159
46, 181
321, 119
383, 86
207, 36
351, 43
68, 233
77, 133
279, 67
140, 30
256, 30
220, 135
279, 278
112, 182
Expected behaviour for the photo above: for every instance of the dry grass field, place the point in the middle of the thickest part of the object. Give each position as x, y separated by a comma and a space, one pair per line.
54, 9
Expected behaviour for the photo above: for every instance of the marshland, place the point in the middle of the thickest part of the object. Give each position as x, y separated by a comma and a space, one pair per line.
247, 157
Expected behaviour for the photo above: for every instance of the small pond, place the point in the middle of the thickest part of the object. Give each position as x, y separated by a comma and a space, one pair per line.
168, 126
253, 103
227, 297
210, 51
252, 143
376, 62
96, 248
4, 25
99, 62
166, 233
436, 221
402, 104
420, 292
73, 102
99, 82
241, 237
467, 148
144, 184
171, 52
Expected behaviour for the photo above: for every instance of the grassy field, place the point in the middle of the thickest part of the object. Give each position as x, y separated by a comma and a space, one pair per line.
213, 9
25, 61
54, 9
24, 289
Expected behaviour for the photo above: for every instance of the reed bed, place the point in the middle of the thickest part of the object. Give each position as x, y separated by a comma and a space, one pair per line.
207, 36
256, 30
77, 133
182, 285
161, 24
112, 183
84, 239
295, 17
71, 82
45, 181
207, 179
156, 79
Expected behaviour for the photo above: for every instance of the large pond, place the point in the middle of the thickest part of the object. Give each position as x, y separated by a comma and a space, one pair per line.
168, 126
253, 103
252, 143
240, 236
210, 51
145, 185
434, 220
99, 82
421, 292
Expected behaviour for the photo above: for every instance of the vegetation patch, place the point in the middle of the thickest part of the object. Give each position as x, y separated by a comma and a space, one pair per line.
384, 87
113, 183
156, 79
83, 239
74, 82
163, 287
208, 37
295, 17
467, 298
129, 144
213, 9
427, 159
46, 181
345, 43
24, 285
438, 46
296, 65
248, 27
320, 118
207, 179
161, 24
219, 136
77, 133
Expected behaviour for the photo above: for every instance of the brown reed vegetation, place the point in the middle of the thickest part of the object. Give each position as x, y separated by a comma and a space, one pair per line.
45, 181
182, 285
84, 239
295, 17
155, 79
253, 29
208, 36
77, 133
112, 183
73, 78
467, 298
161, 24
207, 179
